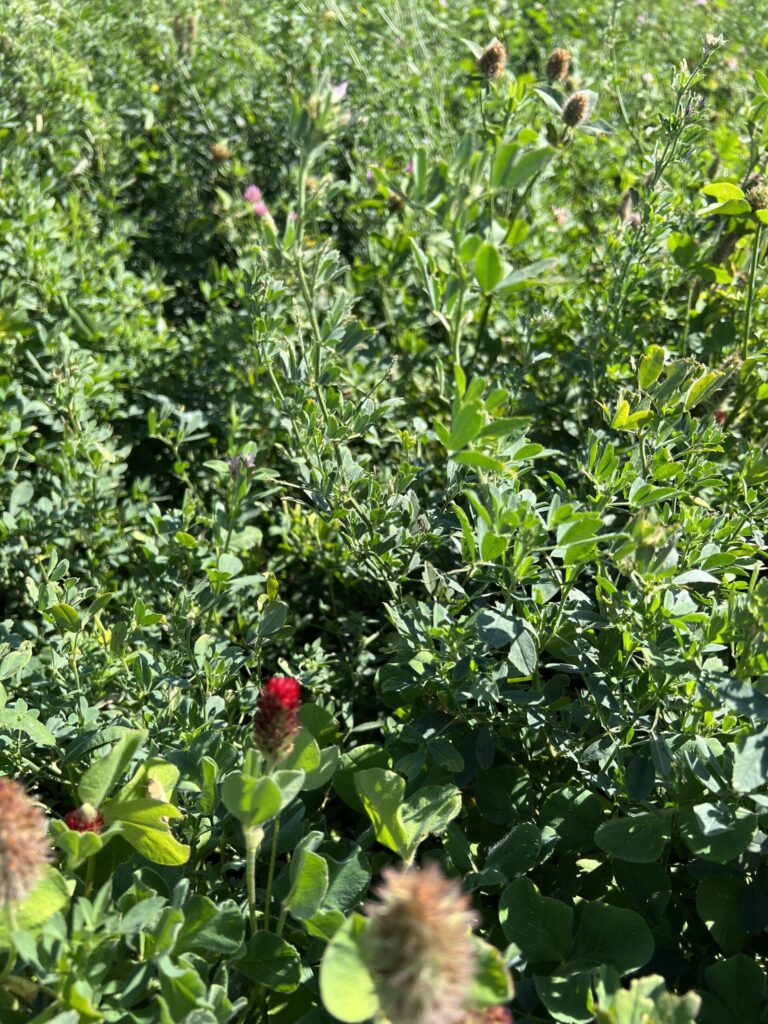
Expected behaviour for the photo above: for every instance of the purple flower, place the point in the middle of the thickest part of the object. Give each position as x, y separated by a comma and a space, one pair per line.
369, 175
252, 194
260, 209
409, 167
237, 461
338, 92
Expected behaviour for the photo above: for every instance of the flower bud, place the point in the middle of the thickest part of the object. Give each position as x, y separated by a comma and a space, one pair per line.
85, 819
757, 197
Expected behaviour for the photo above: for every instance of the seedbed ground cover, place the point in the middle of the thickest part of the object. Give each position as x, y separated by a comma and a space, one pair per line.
383, 464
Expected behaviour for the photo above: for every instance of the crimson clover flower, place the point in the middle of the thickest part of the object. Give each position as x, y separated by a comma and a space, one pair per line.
24, 845
277, 717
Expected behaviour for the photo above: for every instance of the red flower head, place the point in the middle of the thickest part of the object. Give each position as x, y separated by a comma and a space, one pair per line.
720, 416
85, 819
277, 717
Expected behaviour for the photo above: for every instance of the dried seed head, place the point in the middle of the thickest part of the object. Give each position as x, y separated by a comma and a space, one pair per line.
24, 845
418, 947
757, 197
493, 60
220, 152
277, 717
558, 64
626, 206
576, 109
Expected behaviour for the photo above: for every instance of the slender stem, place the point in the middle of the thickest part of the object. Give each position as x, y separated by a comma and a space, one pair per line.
89, 869
271, 872
751, 289
253, 837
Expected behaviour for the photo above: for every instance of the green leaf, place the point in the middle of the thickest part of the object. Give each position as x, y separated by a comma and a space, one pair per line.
492, 982
428, 812
651, 366
717, 832
750, 762
740, 984
209, 929
639, 839
17, 717
100, 778
719, 903
540, 926
701, 388
346, 986
465, 426
621, 415
50, 894
15, 661
309, 884
511, 167
252, 801
156, 844
488, 267
722, 191
517, 852
566, 995
381, 793
65, 617
611, 935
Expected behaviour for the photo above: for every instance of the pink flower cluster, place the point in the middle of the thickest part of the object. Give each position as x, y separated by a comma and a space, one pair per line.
252, 195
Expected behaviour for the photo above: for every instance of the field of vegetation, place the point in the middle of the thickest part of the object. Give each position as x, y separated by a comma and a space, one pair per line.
383, 512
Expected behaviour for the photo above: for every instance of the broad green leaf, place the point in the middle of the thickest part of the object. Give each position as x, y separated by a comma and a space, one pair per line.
15, 661
382, 793
517, 852
488, 267
272, 962
65, 617
566, 995
465, 426
651, 366
156, 844
722, 191
101, 777
210, 929
50, 894
252, 801
309, 884
719, 902
702, 387
611, 935
492, 984
540, 926
750, 762
717, 832
17, 718
639, 839
346, 986
428, 812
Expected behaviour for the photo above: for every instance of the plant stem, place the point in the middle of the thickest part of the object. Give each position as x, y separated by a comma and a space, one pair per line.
751, 289
271, 872
253, 838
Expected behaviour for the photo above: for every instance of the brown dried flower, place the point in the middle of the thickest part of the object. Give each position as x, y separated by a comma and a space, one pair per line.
757, 197
24, 845
418, 947
576, 109
558, 64
220, 152
493, 60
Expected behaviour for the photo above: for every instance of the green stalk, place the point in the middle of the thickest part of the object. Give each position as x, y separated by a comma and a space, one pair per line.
751, 289
253, 838
271, 872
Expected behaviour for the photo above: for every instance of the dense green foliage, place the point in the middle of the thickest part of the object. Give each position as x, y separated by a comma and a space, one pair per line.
462, 424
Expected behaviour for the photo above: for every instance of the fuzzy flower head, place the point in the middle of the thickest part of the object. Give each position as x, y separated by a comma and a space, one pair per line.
576, 109
493, 60
418, 947
220, 152
277, 717
493, 1015
558, 63
85, 819
757, 197
252, 195
24, 845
